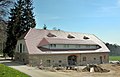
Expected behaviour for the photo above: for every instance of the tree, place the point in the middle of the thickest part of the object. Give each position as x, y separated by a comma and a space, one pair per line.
4, 11
20, 21
28, 18
4, 8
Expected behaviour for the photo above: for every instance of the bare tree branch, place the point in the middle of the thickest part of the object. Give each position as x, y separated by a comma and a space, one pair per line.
4, 8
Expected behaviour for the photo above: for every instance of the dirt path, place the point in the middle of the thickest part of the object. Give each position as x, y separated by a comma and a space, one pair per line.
34, 72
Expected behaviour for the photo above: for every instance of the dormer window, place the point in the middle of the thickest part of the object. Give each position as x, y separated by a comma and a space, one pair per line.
85, 37
51, 35
52, 45
70, 36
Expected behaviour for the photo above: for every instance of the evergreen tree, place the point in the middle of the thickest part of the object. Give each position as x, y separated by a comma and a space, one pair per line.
20, 21
28, 19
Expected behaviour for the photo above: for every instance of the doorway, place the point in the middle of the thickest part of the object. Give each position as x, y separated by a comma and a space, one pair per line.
72, 60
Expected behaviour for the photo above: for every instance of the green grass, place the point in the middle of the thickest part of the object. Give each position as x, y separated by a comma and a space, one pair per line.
114, 58
10, 72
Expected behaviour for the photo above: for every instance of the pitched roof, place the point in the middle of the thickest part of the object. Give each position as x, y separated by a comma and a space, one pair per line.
36, 37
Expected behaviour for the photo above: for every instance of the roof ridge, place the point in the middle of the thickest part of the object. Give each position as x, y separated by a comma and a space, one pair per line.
65, 31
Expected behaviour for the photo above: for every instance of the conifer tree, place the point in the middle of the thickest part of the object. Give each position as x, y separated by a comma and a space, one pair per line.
20, 21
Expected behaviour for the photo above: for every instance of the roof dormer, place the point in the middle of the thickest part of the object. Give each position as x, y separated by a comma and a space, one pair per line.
85, 37
51, 35
70, 36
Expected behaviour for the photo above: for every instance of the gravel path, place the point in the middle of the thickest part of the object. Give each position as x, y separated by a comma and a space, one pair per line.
34, 72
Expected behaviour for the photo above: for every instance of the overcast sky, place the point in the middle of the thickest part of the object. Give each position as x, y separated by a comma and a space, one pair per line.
99, 17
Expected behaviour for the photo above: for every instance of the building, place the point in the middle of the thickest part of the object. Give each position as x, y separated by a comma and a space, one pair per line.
60, 48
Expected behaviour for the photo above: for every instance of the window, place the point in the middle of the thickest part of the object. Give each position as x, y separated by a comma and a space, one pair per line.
60, 61
66, 46
52, 45
48, 61
20, 48
87, 46
23, 47
84, 58
77, 46
94, 58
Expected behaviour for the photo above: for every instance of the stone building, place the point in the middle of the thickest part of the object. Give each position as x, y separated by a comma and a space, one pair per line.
60, 48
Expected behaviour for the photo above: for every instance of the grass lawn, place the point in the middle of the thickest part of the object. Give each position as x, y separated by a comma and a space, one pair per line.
10, 72
114, 58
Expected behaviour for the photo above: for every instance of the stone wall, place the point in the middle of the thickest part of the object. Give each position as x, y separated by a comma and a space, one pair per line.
48, 60
62, 60
22, 57
94, 58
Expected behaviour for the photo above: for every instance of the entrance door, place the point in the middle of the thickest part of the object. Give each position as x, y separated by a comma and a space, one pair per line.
72, 60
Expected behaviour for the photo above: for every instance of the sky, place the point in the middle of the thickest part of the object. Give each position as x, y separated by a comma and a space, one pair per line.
98, 17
